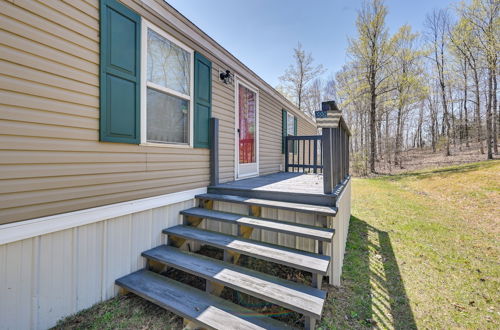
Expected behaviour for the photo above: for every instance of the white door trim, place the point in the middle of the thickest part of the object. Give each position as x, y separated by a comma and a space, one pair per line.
239, 81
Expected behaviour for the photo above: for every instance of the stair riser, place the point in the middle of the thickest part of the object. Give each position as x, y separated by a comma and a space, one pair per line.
323, 200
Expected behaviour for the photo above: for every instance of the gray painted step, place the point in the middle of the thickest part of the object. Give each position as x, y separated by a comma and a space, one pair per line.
204, 309
297, 297
317, 233
297, 207
284, 196
310, 262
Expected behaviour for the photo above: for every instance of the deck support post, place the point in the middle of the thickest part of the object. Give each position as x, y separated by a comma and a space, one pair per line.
326, 149
188, 325
214, 151
213, 288
310, 323
155, 266
317, 280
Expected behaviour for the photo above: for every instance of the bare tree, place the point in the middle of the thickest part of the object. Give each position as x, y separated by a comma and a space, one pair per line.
483, 18
296, 78
370, 52
406, 78
462, 38
437, 24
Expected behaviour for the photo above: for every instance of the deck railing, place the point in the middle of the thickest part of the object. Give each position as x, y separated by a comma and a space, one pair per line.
303, 154
327, 153
335, 156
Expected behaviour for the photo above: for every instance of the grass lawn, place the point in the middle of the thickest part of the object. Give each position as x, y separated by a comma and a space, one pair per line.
423, 252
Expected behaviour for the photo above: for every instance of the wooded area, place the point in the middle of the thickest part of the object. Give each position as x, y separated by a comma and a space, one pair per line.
435, 88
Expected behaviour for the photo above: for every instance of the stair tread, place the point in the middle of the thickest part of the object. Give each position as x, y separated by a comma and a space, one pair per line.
198, 306
311, 262
317, 233
297, 297
297, 207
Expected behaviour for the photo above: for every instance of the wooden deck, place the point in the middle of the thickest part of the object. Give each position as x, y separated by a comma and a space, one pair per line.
284, 186
281, 182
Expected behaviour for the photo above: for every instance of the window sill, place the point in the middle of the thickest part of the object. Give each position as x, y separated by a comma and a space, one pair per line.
166, 145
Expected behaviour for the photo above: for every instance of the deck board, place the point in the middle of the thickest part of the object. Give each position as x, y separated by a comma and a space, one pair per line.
310, 262
317, 233
198, 306
281, 182
289, 206
297, 297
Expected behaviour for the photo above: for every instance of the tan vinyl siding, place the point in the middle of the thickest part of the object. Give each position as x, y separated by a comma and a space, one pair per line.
51, 160
223, 107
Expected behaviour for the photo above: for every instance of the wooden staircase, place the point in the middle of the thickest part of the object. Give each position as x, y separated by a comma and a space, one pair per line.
205, 309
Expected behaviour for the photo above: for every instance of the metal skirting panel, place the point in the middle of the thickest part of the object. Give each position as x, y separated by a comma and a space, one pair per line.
341, 225
51, 276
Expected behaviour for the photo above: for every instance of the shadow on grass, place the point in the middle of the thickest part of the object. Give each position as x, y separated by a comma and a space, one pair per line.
373, 292
442, 172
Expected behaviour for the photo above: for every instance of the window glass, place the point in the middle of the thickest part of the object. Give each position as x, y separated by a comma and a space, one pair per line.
168, 99
247, 117
290, 124
167, 118
168, 64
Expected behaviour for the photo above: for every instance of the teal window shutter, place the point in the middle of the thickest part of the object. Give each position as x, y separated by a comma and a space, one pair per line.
119, 73
202, 100
283, 130
295, 134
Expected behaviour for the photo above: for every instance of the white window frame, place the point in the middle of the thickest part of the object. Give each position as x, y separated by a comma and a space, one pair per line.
144, 84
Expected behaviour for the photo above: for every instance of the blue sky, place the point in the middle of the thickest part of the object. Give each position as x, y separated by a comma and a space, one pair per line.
262, 33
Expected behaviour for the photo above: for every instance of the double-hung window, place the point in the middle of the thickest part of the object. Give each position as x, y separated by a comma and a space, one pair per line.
290, 124
167, 103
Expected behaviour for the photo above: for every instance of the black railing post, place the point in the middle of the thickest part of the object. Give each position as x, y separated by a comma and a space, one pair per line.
347, 154
214, 151
335, 152
286, 154
341, 154
315, 156
326, 149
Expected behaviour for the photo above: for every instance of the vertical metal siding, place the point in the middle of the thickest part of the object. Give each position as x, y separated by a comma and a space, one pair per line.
48, 277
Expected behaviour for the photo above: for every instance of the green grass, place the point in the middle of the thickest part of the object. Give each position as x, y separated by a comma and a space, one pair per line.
422, 252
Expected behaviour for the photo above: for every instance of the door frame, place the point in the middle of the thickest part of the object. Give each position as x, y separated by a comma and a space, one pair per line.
239, 81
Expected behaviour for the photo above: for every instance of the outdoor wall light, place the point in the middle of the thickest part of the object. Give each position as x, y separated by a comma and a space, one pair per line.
226, 77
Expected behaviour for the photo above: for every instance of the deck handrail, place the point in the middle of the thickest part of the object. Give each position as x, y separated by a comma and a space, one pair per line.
327, 153
307, 146
335, 143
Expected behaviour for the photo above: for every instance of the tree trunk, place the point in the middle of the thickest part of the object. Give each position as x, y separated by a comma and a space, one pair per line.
495, 112
478, 111
453, 127
460, 132
433, 126
489, 135
466, 114
373, 136
379, 135
399, 137
387, 142
446, 118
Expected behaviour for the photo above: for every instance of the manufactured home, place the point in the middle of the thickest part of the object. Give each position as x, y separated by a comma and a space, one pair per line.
130, 139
